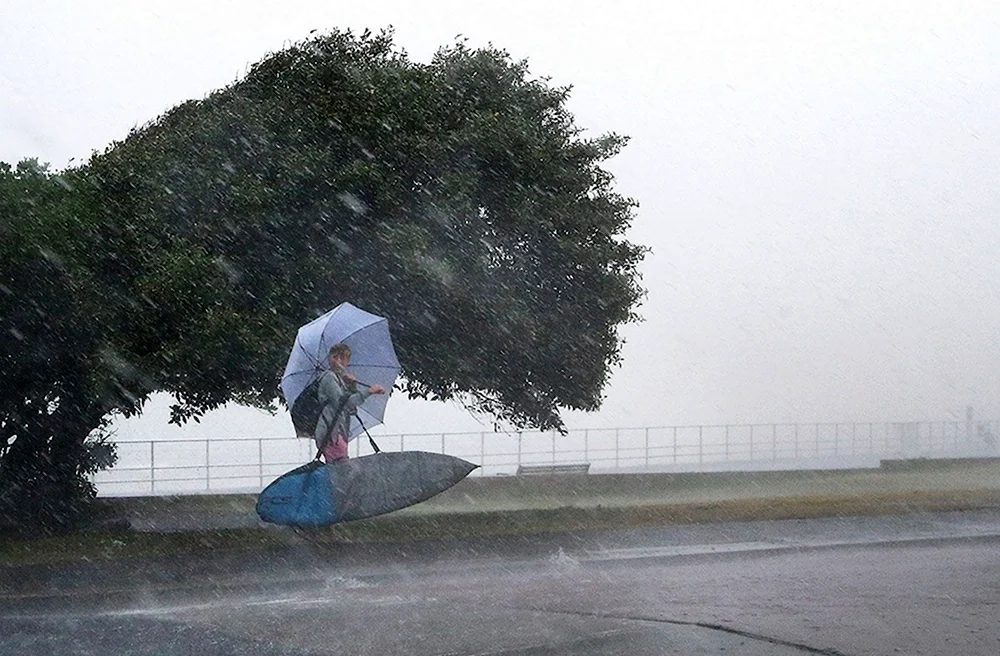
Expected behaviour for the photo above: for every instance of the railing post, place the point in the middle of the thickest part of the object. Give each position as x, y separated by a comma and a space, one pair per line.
586, 445
969, 415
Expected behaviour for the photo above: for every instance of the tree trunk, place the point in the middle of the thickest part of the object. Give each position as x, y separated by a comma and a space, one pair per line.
43, 483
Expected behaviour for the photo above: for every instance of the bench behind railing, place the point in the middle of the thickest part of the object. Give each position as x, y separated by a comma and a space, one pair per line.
575, 468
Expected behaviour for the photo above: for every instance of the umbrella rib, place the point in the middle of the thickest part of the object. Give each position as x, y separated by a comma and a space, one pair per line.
309, 356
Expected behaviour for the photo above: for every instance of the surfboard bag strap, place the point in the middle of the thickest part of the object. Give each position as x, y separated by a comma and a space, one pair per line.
370, 440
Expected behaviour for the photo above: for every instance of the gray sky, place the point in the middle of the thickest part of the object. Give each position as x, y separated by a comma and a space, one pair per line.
816, 179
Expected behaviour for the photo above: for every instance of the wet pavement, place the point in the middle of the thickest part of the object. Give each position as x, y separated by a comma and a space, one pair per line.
925, 583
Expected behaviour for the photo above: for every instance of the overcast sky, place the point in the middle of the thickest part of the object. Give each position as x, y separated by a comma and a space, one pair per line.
817, 181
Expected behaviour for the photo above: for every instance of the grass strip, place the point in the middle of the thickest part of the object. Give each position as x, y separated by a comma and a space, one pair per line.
401, 527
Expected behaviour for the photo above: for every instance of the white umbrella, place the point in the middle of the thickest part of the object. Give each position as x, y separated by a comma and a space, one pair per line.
373, 362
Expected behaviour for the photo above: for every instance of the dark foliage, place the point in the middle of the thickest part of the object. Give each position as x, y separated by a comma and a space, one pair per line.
456, 198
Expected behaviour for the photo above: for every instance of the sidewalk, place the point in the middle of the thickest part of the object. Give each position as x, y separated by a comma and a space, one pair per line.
898, 486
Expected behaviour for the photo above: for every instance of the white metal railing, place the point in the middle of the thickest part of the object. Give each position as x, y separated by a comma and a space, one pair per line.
191, 466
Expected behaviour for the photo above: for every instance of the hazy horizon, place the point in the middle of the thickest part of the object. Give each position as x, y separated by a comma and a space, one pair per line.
815, 181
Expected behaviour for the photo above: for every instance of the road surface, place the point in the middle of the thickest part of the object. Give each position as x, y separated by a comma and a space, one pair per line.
913, 584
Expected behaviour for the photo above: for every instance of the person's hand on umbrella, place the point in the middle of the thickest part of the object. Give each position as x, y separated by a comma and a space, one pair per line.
372, 389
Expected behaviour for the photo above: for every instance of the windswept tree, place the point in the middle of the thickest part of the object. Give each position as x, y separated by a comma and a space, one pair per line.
50, 344
458, 198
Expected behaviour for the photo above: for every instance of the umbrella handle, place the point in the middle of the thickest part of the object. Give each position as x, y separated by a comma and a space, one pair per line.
366, 385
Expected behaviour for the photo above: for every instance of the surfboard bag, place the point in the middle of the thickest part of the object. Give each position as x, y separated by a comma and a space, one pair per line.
318, 494
301, 497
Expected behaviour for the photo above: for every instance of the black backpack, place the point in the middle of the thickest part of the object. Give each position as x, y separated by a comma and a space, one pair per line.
306, 410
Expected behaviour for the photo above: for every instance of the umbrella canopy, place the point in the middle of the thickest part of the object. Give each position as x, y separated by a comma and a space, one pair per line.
373, 361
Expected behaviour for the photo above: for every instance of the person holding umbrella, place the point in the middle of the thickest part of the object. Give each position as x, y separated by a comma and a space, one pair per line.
328, 403
339, 397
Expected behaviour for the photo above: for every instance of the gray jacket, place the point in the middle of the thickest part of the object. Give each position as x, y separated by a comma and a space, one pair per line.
331, 392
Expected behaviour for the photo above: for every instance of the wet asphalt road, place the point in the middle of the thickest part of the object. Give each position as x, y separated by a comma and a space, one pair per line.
915, 584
